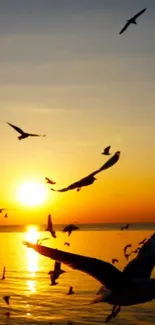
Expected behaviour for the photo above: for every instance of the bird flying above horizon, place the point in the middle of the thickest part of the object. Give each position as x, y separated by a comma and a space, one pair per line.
88, 180
125, 227
67, 244
24, 135
54, 274
132, 21
3, 209
69, 229
49, 181
50, 226
126, 247
106, 151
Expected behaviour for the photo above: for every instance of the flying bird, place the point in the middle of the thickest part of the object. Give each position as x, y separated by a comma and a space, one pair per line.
49, 181
50, 226
7, 299
3, 276
24, 135
71, 291
6, 215
114, 260
54, 274
40, 240
125, 227
130, 287
1, 210
106, 151
69, 229
132, 20
88, 180
67, 244
126, 247
126, 255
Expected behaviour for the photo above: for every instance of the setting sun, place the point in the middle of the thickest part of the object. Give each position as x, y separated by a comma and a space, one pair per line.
31, 194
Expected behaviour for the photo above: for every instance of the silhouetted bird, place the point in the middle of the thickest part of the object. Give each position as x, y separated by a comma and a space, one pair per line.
49, 181
6, 215
125, 227
67, 244
71, 291
3, 276
7, 299
114, 260
1, 210
126, 247
130, 287
50, 226
143, 241
126, 255
132, 20
54, 275
70, 228
106, 151
136, 250
24, 135
40, 240
88, 180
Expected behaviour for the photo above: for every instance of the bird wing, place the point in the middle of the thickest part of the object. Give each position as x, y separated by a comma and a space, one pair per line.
139, 13
112, 161
104, 272
49, 181
16, 128
125, 27
142, 265
106, 150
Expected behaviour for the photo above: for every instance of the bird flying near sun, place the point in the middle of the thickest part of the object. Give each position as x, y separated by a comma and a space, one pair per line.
132, 21
24, 135
49, 181
88, 180
106, 151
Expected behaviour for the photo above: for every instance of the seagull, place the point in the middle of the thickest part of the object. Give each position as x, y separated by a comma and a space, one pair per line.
126, 247
114, 260
132, 20
106, 151
70, 228
3, 276
24, 135
125, 227
54, 275
130, 287
70, 292
50, 227
7, 298
67, 244
49, 181
88, 180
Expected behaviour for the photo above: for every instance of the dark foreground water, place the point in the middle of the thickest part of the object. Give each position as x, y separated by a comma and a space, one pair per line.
34, 301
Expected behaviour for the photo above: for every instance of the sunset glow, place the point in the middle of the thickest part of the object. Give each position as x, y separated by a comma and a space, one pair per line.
31, 194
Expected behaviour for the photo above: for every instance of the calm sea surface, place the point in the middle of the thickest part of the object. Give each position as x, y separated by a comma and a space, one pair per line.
34, 301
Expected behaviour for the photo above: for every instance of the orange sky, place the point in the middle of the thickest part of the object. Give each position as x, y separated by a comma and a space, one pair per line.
69, 74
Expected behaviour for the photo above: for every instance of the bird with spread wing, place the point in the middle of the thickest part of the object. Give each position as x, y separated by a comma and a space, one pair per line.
130, 287
132, 21
88, 180
50, 226
24, 135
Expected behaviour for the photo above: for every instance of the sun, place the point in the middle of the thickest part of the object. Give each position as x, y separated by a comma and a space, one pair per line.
31, 194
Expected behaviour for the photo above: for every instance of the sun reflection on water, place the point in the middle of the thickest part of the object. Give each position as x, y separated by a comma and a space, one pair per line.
32, 257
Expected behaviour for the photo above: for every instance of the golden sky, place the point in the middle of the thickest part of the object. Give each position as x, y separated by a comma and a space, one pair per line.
66, 72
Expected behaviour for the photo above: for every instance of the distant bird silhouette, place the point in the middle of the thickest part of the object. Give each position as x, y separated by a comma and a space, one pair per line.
114, 260
50, 226
49, 181
1, 210
71, 291
143, 241
67, 244
4, 271
126, 247
6, 215
88, 180
54, 274
7, 299
70, 228
126, 255
125, 227
24, 135
40, 240
106, 151
136, 251
132, 20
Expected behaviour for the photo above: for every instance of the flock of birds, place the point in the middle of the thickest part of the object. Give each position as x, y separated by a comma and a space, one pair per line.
133, 285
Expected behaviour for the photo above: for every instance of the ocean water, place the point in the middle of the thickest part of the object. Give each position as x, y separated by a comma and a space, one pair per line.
34, 301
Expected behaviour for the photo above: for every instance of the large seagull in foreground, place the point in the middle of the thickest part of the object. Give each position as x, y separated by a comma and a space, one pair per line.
88, 180
132, 21
130, 287
24, 135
